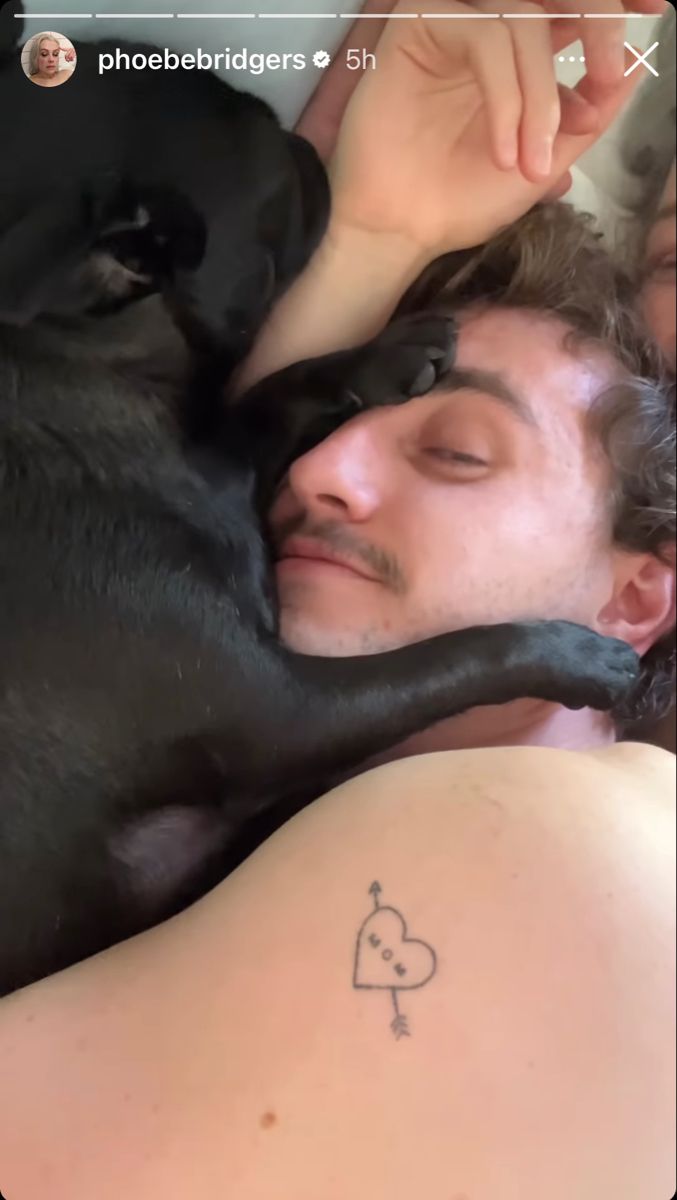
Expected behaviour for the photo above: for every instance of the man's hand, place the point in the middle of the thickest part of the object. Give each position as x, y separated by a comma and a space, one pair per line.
438, 150
602, 43
462, 126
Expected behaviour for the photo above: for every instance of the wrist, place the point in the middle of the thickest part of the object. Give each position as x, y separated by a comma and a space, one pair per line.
345, 296
378, 266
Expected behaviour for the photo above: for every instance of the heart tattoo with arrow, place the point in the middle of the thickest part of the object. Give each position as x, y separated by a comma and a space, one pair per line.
386, 958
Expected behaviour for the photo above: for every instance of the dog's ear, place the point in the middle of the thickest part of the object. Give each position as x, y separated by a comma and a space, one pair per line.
11, 27
39, 251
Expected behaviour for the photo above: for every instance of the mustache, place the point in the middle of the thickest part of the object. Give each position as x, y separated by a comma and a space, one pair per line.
379, 562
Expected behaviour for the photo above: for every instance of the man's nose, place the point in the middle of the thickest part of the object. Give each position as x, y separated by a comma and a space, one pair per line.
344, 477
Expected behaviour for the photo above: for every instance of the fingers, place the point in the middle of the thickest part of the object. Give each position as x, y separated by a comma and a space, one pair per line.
603, 38
603, 42
528, 115
579, 116
541, 111
526, 108
469, 53
607, 101
495, 68
558, 189
652, 7
545, 111
512, 61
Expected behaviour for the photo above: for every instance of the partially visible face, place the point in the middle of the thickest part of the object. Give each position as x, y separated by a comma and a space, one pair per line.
48, 57
468, 506
659, 293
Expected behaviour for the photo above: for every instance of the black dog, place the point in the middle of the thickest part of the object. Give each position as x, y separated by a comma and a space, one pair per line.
152, 729
178, 180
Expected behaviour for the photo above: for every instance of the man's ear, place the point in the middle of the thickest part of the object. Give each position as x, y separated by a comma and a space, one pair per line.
11, 27
642, 608
37, 253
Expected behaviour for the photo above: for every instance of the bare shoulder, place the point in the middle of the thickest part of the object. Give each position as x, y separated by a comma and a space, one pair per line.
451, 977
602, 797
657, 766
496, 1016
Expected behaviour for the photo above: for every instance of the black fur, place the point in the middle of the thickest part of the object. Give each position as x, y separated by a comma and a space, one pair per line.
152, 729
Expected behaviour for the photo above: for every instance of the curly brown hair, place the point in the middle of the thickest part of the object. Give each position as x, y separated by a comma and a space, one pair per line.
554, 262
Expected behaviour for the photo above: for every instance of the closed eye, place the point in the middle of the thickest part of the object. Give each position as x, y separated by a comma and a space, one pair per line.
444, 454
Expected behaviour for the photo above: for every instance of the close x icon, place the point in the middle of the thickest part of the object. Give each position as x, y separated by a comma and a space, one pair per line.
641, 59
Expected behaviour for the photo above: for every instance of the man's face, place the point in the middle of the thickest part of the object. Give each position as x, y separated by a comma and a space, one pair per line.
458, 508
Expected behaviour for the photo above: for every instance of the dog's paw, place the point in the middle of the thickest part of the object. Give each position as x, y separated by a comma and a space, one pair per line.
407, 359
584, 669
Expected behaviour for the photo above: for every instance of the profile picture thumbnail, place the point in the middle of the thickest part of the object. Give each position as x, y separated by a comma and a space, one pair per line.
48, 59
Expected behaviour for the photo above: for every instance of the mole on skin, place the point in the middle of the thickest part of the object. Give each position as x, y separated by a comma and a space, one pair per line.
268, 1119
